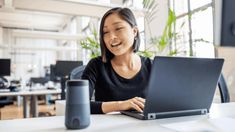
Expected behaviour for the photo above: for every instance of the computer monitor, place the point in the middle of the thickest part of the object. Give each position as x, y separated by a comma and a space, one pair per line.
63, 68
5, 65
224, 26
53, 77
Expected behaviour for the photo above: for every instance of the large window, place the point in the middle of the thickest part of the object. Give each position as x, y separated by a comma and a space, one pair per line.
194, 27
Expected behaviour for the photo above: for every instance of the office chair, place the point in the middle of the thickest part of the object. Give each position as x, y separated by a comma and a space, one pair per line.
224, 93
77, 72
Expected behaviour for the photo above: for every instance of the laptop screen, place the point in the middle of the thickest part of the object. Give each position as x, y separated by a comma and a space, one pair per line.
179, 84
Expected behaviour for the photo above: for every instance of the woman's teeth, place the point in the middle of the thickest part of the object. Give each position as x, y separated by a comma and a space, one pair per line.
115, 45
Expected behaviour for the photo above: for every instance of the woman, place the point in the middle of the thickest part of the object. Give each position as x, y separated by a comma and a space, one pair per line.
119, 77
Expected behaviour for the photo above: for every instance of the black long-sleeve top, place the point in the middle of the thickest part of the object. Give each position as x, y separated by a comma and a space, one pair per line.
109, 86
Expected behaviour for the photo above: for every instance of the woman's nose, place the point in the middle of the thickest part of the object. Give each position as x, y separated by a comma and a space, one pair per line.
112, 37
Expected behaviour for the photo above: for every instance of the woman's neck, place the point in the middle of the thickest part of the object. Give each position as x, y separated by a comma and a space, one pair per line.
127, 60
126, 66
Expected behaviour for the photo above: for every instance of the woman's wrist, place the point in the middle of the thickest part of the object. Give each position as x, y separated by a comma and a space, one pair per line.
111, 106
119, 105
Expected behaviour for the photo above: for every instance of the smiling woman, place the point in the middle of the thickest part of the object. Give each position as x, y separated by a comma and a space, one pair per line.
118, 35
118, 24
119, 77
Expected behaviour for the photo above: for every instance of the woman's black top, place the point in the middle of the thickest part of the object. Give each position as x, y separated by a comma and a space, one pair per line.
109, 86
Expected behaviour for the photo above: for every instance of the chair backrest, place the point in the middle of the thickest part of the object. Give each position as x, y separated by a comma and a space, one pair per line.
224, 93
77, 72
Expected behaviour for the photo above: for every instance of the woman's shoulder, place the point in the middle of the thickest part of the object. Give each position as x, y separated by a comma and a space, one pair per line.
146, 60
96, 60
146, 63
96, 63
93, 65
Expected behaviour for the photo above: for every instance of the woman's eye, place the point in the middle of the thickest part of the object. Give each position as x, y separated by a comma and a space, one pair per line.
105, 32
119, 28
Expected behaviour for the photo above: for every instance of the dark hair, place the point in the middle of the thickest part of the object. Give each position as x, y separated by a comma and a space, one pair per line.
127, 15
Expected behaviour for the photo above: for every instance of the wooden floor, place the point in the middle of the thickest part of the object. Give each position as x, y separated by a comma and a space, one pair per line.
16, 112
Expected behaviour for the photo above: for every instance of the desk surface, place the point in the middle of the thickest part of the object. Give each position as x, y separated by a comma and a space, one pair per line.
221, 118
33, 92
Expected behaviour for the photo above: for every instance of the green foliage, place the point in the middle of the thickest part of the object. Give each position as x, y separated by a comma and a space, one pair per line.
166, 39
158, 45
92, 44
146, 53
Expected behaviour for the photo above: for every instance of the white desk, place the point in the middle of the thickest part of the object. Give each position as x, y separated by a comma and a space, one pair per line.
221, 118
34, 94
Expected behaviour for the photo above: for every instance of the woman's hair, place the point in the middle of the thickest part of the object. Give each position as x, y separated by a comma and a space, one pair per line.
125, 14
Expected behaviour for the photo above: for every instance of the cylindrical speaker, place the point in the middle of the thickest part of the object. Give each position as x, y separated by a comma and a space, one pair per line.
77, 111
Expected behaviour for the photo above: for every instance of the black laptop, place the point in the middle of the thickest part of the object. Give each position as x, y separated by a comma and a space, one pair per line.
180, 86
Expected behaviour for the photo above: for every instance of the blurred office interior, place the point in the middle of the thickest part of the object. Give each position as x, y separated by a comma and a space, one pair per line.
42, 41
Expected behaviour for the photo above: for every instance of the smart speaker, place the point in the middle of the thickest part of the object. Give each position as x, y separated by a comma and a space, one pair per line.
77, 111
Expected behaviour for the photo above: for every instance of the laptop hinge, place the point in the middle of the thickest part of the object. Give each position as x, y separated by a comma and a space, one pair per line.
151, 116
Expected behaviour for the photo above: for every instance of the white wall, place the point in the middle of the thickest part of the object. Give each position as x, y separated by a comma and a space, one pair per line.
1, 42
1, 35
158, 24
228, 53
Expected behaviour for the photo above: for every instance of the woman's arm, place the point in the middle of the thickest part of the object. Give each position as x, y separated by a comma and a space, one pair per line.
91, 73
136, 103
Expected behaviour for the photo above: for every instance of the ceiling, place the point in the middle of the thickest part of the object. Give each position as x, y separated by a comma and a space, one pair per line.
33, 20
41, 18
48, 15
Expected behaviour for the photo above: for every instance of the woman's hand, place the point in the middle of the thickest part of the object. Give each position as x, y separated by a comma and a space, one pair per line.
136, 103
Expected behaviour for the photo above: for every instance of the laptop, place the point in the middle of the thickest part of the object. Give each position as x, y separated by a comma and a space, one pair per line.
180, 86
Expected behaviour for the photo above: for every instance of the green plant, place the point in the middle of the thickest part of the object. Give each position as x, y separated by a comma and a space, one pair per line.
91, 43
162, 44
167, 37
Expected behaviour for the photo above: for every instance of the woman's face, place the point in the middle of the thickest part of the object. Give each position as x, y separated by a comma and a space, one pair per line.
118, 35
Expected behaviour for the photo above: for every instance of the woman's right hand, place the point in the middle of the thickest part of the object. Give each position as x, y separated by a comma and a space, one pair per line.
136, 103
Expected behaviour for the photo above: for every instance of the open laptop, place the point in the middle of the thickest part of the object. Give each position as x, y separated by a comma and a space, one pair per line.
180, 86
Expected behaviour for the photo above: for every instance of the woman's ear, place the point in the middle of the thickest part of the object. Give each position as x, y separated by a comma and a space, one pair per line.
135, 30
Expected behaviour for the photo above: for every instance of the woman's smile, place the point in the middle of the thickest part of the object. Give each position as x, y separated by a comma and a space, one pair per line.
115, 45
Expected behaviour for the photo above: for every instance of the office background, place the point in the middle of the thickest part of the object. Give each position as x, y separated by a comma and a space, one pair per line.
34, 35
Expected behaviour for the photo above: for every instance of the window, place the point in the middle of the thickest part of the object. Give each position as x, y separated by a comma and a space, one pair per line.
194, 27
